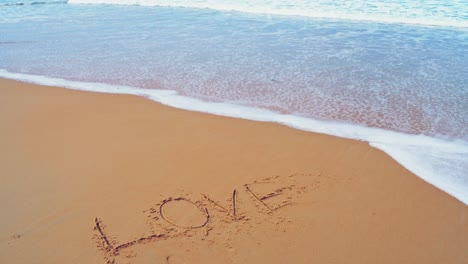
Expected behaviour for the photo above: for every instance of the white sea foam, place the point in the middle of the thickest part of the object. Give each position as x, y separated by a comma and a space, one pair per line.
440, 162
432, 12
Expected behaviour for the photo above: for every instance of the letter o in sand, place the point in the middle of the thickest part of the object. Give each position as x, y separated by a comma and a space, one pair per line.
183, 213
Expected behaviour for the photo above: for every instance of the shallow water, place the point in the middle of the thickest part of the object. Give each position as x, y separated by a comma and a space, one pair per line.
363, 78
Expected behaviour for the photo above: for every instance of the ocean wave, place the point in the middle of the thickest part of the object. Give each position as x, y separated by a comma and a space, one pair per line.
33, 3
442, 163
428, 13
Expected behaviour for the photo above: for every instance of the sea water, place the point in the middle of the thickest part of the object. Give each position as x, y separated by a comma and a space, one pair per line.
392, 73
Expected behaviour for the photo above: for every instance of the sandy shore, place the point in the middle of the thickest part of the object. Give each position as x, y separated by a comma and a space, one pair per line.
89, 178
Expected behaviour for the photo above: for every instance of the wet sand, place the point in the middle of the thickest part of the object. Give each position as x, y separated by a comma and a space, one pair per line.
95, 178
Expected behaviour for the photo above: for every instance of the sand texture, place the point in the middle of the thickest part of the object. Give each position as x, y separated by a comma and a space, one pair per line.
95, 178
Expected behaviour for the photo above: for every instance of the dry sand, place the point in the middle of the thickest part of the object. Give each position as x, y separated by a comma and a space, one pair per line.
160, 184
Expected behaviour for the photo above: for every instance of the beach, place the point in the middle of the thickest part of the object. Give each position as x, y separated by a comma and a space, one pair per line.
94, 178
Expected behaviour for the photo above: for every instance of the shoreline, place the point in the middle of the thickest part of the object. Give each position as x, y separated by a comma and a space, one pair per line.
424, 156
153, 174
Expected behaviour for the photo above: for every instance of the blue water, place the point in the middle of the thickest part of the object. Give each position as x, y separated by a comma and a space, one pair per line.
392, 73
